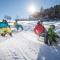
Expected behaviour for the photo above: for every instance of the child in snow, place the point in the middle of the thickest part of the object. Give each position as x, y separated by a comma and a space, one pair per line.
51, 34
39, 29
18, 26
6, 27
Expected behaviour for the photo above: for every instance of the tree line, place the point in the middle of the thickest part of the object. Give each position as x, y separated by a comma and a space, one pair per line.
51, 13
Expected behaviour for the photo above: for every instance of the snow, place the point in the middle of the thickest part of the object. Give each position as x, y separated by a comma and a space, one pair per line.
58, 32
24, 45
49, 53
19, 47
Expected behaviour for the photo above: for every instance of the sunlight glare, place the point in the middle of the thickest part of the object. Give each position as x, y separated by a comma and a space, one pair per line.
32, 9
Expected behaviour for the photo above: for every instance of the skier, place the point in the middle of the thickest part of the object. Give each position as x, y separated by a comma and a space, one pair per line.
52, 35
7, 28
40, 30
17, 26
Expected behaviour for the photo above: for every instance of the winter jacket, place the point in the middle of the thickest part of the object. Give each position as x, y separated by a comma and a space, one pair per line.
51, 35
18, 26
39, 28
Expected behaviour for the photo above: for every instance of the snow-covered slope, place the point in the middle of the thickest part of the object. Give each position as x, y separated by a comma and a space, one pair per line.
19, 47
24, 45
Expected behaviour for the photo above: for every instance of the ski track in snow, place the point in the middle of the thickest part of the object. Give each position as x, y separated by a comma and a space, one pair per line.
22, 47
18, 48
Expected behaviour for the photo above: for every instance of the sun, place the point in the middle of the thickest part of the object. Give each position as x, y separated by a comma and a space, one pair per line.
31, 9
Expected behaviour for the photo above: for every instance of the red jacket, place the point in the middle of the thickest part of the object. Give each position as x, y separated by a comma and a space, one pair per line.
39, 28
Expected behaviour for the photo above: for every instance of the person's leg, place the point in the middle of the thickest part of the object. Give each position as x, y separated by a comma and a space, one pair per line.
3, 34
46, 38
50, 42
17, 28
21, 27
10, 34
54, 40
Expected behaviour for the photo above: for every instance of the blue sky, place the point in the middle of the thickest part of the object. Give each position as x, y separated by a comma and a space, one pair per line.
15, 8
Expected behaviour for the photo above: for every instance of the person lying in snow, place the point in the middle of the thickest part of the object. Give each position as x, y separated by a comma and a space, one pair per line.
40, 30
52, 35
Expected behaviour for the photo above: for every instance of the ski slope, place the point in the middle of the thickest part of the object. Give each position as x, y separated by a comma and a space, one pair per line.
24, 45
18, 47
